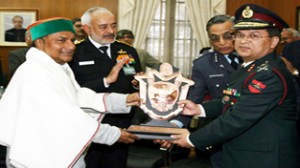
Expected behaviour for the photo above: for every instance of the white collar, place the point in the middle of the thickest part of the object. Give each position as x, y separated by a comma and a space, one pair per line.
97, 45
245, 64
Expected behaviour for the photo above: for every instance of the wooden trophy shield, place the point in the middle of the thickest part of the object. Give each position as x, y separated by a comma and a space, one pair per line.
160, 91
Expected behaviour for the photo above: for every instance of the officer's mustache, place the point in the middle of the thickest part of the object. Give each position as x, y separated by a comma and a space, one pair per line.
109, 35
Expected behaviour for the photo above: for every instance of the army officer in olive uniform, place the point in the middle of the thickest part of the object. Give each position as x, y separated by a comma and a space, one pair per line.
257, 114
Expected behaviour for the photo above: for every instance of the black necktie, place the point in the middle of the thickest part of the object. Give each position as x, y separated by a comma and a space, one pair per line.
103, 49
233, 63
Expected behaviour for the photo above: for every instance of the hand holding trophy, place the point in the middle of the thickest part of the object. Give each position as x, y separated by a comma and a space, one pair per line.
160, 92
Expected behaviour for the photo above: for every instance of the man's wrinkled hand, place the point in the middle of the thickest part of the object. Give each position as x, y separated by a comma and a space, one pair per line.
114, 73
133, 99
135, 82
189, 108
127, 137
181, 140
163, 143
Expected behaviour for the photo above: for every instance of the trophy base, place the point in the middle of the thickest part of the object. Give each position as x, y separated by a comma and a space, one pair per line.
160, 130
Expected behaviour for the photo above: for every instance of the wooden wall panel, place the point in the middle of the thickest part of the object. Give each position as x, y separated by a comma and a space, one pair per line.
286, 9
65, 8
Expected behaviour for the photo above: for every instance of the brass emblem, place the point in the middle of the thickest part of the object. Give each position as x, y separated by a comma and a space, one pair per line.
247, 13
122, 51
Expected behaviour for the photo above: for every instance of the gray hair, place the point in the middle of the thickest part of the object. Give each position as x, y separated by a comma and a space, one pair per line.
86, 17
292, 31
219, 19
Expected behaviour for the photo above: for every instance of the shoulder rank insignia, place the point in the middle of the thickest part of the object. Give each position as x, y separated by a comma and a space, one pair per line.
263, 67
123, 42
256, 86
78, 41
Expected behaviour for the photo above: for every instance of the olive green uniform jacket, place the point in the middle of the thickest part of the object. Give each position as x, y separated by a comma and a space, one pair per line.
257, 118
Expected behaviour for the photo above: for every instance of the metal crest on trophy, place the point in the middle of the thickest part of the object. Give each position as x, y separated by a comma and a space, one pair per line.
161, 90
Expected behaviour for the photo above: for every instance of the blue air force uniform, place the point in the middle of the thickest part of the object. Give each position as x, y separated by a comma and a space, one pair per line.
210, 72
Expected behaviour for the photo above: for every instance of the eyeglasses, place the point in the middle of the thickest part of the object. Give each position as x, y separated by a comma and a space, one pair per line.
251, 36
225, 36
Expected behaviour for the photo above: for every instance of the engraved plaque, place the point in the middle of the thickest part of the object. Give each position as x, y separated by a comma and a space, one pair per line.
160, 91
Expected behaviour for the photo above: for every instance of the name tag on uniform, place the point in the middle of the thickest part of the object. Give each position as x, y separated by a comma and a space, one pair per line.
216, 75
128, 70
86, 63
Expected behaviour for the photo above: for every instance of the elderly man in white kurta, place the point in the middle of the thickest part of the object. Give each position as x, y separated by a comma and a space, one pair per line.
41, 116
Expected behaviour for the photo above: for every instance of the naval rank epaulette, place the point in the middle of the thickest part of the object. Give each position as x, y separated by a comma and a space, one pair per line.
78, 42
123, 43
202, 55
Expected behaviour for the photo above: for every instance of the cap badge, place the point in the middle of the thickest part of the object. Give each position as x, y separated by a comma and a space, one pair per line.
247, 13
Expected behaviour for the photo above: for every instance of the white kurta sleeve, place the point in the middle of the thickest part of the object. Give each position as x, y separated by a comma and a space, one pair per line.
103, 102
107, 134
117, 103
87, 98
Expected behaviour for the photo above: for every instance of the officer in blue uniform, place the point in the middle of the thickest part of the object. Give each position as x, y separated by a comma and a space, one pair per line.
211, 71
257, 114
